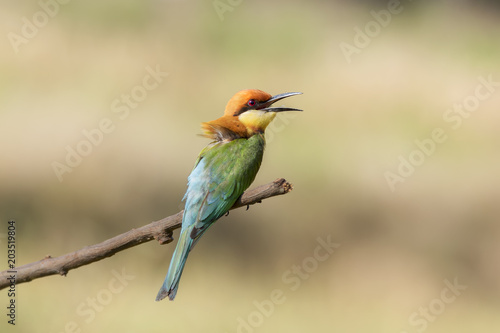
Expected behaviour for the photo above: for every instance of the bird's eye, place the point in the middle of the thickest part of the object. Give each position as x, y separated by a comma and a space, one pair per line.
251, 102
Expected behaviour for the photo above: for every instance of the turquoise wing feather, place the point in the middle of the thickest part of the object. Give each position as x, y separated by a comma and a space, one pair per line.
228, 170
222, 172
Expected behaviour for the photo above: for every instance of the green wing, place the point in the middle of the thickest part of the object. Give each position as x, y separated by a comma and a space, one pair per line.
221, 174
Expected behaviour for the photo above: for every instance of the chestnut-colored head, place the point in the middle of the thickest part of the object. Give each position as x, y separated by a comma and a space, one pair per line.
248, 112
245, 100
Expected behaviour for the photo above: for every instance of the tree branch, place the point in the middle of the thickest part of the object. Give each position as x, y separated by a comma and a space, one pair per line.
160, 230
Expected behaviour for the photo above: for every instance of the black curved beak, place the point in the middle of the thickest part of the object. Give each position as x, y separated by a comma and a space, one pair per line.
266, 106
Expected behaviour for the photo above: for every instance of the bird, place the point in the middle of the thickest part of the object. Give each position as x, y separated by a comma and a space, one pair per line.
224, 169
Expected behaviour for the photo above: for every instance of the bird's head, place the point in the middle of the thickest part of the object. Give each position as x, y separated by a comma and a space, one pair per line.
249, 112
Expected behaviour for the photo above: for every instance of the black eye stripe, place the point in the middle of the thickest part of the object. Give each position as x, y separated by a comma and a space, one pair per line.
240, 111
247, 107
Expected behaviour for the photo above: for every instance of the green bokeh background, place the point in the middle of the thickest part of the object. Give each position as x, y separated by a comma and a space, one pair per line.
396, 247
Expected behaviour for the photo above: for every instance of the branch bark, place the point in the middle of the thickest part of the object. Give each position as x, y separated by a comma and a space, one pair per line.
160, 230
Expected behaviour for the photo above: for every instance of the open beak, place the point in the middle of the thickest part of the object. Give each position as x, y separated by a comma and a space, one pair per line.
266, 106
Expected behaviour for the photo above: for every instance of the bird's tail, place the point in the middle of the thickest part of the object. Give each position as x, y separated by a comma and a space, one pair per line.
171, 283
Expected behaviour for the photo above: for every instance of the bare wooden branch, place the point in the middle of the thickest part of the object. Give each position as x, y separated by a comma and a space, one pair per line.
160, 230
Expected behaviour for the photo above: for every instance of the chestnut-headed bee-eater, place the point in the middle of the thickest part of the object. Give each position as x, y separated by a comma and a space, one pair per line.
223, 171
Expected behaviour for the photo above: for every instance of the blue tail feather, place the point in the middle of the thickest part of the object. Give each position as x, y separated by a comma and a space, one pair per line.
171, 283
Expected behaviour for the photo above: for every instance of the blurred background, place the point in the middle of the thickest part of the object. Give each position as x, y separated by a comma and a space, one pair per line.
417, 229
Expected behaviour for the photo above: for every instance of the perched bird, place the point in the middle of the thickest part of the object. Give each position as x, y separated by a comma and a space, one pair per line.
223, 171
